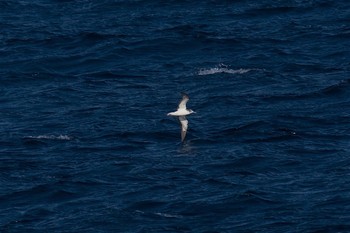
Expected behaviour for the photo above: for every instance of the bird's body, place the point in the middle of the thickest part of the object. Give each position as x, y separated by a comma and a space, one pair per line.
181, 112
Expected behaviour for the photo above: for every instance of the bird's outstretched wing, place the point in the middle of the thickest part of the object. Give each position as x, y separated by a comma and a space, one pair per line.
184, 126
182, 104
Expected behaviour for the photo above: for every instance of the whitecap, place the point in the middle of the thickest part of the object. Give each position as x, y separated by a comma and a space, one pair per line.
51, 137
226, 70
169, 215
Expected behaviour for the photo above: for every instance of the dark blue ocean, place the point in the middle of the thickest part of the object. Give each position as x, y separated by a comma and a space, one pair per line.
86, 144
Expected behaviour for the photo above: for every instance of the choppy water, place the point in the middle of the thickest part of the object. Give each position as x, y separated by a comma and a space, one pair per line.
86, 146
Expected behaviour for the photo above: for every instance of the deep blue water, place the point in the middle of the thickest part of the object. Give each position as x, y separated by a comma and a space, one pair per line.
86, 146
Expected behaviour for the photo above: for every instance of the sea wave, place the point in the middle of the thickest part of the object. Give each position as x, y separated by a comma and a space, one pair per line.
51, 137
217, 70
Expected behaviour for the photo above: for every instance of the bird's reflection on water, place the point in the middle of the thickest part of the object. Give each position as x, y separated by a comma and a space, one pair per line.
186, 148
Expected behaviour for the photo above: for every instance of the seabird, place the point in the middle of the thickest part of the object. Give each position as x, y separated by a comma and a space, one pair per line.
182, 112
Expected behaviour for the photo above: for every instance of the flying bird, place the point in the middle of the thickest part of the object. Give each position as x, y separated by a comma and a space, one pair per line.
182, 112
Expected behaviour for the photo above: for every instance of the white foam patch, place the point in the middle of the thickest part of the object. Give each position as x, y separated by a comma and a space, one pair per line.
169, 215
51, 137
218, 70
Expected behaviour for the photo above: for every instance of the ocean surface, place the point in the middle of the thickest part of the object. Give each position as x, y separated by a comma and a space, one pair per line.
86, 145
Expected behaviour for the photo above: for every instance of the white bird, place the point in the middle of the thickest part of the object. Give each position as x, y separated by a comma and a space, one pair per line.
182, 112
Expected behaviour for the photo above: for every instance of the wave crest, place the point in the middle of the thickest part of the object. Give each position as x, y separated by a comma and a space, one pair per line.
51, 137
218, 70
